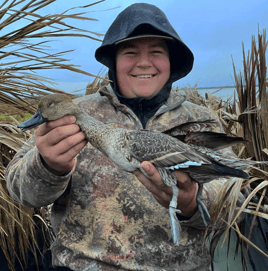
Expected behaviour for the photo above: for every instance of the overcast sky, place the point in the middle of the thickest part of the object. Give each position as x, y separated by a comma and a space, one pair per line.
213, 29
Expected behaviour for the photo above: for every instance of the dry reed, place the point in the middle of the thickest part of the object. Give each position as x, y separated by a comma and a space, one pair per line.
247, 117
22, 55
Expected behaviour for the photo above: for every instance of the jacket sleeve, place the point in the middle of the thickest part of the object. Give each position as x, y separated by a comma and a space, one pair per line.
29, 182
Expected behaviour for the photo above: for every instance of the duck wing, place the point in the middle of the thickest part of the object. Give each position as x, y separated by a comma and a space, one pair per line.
189, 127
163, 150
199, 133
212, 140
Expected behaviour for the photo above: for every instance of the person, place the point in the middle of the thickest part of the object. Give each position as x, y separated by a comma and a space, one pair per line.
103, 218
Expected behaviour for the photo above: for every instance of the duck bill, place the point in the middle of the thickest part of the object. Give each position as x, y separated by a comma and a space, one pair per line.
35, 120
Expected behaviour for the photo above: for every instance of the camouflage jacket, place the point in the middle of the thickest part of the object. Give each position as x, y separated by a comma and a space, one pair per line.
104, 219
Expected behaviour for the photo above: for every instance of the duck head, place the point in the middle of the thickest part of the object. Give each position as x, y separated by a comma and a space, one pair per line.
51, 107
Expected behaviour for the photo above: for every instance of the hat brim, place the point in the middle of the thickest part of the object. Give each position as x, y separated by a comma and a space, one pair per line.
144, 36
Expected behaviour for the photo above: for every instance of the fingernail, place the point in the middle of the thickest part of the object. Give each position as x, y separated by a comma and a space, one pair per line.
73, 118
146, 167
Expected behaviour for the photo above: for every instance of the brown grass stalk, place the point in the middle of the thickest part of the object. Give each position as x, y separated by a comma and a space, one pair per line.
22, 56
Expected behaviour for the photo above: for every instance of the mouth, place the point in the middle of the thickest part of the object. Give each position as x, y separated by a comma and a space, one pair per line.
144, 76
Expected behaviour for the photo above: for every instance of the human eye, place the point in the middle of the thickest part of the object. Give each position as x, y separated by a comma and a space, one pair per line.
157, 51
130, 52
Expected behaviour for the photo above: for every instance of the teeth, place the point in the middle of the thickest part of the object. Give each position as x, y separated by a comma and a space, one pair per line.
143, 76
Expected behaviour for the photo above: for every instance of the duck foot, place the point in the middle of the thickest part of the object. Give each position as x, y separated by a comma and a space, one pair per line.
201, 206
174, 222
175, 225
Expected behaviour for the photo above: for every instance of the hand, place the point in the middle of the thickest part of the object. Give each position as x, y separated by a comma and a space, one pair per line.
163, 193
58, 142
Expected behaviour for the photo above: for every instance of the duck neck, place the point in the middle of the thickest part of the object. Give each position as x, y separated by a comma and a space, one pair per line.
93, 129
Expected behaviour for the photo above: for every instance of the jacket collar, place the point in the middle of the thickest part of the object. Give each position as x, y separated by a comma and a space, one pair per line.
176, 98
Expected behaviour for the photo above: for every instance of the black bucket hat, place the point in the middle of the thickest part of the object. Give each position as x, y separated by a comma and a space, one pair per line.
146, 20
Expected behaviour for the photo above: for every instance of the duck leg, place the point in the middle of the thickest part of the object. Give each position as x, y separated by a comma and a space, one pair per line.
201, 206
175, 225
170, 179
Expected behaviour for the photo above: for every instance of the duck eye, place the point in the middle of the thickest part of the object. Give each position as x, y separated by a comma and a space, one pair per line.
50, 104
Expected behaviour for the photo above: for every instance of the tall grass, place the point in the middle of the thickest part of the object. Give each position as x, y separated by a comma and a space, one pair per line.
247, 116
22, 55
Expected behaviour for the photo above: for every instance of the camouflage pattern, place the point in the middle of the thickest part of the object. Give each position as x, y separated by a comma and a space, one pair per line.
104, 219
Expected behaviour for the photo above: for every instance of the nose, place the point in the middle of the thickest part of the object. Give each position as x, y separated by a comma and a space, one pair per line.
144, 60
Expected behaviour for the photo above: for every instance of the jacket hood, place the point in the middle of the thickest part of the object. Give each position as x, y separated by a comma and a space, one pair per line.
139, 19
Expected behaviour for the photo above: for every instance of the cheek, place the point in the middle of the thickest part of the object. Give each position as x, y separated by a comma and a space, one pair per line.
122, 70
123, 65
121, 75
164, 65
123, 78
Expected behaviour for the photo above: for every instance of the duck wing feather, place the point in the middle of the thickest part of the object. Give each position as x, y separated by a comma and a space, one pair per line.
189, 127
163, 150
199, 133
212, 140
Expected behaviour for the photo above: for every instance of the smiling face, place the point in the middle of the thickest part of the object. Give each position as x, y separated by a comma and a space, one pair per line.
142, 67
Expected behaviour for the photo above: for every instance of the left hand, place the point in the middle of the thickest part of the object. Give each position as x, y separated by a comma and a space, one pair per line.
163, 193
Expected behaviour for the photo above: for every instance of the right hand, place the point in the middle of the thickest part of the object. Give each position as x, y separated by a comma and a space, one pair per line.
58, 142
163, 193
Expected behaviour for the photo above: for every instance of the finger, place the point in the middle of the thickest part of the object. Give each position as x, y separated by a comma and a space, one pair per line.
155, 177
152, 172
50, 125
72, 143
64, 162
183, 178
60, 133
71, 153
161, 196
149, 185
164, 200
67, 144
161, 191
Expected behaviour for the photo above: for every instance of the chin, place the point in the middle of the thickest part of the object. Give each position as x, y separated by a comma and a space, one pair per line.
147, 94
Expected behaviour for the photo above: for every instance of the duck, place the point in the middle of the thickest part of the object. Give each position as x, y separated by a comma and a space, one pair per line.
195, 153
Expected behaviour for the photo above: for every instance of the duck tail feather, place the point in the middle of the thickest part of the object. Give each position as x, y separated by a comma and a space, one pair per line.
218, 170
